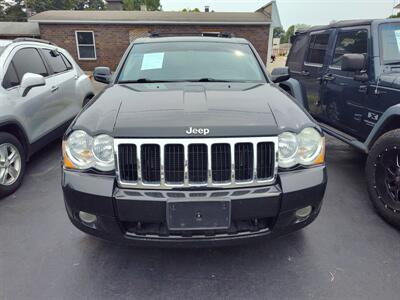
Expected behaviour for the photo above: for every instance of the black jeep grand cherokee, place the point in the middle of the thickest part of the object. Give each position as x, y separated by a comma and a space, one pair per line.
192, 143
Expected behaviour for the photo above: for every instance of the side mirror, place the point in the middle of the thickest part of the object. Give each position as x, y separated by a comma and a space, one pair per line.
102, 74
280, 74
30, 81
353, 62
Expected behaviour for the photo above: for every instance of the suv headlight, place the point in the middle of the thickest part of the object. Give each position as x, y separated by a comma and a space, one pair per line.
306, 148
288, 147
82, 152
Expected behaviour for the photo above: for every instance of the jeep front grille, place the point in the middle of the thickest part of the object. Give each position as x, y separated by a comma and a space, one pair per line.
186, 163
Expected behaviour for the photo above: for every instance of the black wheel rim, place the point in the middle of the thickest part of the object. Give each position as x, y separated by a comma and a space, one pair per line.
387, 178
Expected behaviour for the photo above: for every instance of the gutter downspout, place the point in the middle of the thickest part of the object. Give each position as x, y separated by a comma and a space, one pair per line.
270, 40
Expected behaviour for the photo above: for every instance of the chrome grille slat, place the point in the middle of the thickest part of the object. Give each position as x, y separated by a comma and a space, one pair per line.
186, 166
255, 160
209, 165
227, 174
233, 167
139, 163
162, 167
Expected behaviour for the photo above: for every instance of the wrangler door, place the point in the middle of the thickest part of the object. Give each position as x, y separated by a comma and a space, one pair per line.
314, 68
344, 92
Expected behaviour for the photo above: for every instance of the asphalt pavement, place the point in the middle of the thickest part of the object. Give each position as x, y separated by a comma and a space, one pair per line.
347, 253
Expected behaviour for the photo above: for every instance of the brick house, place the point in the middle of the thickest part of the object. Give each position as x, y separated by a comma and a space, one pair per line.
99, 38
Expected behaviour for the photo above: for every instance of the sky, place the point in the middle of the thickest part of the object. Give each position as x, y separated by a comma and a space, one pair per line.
312, 12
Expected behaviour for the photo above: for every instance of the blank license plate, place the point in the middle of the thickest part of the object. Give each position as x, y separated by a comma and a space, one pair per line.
198, 215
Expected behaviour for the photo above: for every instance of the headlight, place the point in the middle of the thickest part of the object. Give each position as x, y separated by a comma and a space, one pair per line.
310, 146
103, 150
288, 146
81, 151
306, 148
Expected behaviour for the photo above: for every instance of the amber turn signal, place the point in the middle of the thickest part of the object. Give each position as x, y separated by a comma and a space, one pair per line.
321, 157
67, 162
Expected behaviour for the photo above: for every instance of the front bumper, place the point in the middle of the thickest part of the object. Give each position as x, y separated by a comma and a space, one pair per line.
139, 216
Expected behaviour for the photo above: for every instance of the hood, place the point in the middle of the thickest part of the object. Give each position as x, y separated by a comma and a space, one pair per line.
390, 79
173, 109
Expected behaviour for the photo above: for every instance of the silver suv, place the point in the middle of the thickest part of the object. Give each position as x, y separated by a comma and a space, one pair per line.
42, 89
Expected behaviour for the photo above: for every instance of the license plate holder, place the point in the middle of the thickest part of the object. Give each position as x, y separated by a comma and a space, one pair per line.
199, 214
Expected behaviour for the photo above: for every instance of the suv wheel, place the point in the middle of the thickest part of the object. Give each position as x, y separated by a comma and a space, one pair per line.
383, 176
12, 164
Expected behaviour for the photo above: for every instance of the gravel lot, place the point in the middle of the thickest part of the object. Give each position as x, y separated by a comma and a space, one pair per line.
348, 253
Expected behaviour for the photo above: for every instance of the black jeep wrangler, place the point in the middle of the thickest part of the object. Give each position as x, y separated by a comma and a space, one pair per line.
192, 143
349, 75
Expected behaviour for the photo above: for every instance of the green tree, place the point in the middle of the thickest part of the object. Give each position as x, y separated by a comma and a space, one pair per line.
279, 32
191, 10
14, 11
395, 16
135, 4
89, 5
152, 4
3, 7
291, 31
43, 5
131, 5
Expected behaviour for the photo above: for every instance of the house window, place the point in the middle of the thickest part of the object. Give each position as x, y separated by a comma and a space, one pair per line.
86, 45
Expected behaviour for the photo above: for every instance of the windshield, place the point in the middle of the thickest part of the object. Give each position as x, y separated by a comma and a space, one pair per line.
191, 61
390, 43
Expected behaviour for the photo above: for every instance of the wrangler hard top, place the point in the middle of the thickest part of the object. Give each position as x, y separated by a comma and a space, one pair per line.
347, 75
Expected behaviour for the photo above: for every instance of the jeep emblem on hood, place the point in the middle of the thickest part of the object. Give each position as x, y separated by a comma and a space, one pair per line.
198, 131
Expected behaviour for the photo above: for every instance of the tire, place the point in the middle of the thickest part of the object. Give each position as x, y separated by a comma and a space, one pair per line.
11, 183
383, 176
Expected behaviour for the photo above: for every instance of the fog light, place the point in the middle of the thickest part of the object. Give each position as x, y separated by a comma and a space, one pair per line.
87, 218
304, 212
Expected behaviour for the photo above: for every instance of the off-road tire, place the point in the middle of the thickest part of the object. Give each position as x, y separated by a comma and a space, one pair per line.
387, 208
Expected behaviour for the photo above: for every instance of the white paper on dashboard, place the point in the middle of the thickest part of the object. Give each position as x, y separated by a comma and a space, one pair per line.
152, 61
397, 34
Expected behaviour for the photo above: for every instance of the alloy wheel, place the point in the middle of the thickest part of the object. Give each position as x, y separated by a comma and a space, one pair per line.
10, 164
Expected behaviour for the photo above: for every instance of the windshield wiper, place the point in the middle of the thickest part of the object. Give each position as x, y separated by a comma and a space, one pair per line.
209, 80
145, 80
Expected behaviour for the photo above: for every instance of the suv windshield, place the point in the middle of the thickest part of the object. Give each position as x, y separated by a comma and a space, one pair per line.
390, 43
191, 61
